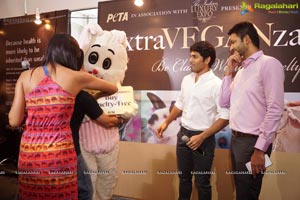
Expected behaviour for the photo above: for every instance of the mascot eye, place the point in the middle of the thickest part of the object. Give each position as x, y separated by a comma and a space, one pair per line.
93, 57
106, 63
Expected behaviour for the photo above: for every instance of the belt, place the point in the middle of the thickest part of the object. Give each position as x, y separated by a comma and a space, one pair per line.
240, 134
189, 132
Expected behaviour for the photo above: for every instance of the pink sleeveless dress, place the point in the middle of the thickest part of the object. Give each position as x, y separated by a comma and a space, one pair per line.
47, 164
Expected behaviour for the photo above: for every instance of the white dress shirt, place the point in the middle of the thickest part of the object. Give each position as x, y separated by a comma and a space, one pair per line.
199, 101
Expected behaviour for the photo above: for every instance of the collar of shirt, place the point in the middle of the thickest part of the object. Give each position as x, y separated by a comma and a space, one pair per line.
252, 58
198, 101
203, 77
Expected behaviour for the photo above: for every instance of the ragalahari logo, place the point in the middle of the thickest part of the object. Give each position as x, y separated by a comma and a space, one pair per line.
246, 8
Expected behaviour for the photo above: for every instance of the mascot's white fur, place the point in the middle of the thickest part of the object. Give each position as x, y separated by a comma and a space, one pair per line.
105, 53
105, 57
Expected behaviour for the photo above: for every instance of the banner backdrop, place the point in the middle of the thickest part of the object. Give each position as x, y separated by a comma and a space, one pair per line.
159, 36
23, 40
23, 44
160, 33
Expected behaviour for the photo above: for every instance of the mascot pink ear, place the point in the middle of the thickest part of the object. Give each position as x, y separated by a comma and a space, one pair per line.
85, 37
121, 36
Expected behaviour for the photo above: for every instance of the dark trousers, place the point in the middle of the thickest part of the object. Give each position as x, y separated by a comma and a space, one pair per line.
85, 188
247, 187
197, 163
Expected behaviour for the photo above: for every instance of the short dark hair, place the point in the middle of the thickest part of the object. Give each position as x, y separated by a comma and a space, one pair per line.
205, 49
245, 28
63, 49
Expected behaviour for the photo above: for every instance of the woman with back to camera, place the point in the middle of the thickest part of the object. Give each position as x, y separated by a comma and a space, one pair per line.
47, 165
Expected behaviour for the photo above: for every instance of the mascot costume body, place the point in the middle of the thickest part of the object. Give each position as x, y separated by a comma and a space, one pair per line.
105, 57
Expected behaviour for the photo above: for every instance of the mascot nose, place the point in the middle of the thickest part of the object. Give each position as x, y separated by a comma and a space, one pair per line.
95, 71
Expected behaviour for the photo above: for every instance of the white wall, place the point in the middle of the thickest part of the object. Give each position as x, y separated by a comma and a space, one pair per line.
16, 8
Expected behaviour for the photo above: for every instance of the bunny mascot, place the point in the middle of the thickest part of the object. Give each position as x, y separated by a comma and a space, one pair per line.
105, 57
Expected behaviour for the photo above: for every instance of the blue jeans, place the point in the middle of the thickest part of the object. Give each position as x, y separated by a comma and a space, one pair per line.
85, 188
197, 163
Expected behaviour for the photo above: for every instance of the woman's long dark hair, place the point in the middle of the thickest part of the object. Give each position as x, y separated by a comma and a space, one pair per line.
63, 49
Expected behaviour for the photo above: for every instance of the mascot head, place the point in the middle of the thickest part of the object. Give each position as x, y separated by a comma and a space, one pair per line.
105, 53
105, 56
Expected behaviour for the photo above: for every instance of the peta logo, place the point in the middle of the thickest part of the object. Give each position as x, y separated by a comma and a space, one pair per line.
117, 17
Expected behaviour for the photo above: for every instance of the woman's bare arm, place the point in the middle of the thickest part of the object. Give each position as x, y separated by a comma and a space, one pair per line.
17, 111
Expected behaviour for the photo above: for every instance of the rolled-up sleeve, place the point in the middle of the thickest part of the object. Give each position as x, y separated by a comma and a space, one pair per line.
179, 101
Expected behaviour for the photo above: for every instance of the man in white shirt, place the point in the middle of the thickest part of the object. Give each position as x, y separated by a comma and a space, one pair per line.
202, 118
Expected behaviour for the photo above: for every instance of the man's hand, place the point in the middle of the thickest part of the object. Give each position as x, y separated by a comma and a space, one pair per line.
232, 63
108, 121
257, 162
160, 131
195, 141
